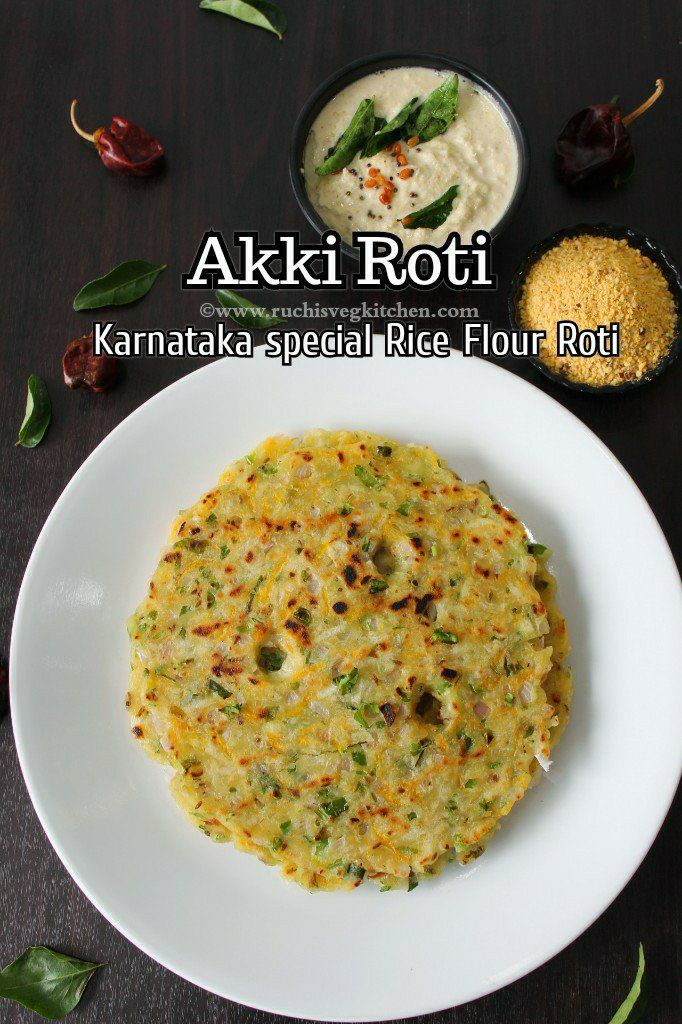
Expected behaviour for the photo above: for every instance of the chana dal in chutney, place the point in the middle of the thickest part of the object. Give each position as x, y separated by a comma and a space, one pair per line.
470, 145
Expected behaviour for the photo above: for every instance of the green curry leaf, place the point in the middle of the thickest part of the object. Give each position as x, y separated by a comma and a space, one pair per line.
355, 137
435, 214
633, 1005
246, 313
436, 113
126, 283
389, 131
46, 982
37, 415
261, 13
379, 125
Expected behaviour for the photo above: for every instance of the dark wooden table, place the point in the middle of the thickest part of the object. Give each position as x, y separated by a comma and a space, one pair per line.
223, 97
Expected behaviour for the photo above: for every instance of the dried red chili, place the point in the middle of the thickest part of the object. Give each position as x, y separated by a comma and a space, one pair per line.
595, 145
124, 146
83, 369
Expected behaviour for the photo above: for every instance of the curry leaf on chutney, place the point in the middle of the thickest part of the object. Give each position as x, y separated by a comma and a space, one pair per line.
436, 113
46, 982
38, 413
126, 283
435, 214
355, 137
389, 131
261, 13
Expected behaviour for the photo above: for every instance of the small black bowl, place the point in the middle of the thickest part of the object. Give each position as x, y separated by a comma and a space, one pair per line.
663, 260
380, 62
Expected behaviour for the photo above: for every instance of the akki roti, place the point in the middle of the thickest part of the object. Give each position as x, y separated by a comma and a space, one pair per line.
351, 660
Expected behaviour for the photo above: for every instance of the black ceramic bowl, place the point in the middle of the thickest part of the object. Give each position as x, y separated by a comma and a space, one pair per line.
380, 62
646, 245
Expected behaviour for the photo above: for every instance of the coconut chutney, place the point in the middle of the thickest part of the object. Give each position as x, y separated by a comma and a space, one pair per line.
477, 152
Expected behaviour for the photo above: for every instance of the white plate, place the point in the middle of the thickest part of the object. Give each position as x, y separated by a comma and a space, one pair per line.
219, 917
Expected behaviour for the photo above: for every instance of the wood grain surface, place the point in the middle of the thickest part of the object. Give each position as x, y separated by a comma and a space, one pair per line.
222, 97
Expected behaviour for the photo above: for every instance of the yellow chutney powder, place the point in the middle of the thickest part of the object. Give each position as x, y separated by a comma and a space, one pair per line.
595, 281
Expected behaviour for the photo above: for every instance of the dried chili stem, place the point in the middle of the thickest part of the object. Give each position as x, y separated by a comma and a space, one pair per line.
658, 91
83, 135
